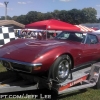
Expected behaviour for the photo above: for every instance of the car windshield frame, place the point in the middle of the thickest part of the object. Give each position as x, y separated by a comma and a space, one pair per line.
72, 36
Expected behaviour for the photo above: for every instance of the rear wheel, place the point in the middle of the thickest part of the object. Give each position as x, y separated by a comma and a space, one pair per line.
61, 68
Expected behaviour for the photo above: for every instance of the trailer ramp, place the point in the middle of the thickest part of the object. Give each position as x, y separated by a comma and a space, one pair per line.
87, 77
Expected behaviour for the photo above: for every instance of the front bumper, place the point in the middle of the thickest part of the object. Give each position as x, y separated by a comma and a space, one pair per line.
20, 66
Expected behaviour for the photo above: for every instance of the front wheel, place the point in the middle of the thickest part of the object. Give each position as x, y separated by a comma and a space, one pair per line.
61, 68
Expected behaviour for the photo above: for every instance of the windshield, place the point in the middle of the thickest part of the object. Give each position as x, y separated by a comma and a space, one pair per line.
72, 36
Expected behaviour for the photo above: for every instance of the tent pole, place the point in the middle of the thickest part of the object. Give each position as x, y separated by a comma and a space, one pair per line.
46, 34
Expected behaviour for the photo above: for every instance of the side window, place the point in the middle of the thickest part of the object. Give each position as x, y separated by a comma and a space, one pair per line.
91, 39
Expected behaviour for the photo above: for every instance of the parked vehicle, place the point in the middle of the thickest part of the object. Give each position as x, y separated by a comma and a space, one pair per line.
54, 58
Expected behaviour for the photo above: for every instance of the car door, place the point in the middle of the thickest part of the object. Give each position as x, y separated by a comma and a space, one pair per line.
89, 50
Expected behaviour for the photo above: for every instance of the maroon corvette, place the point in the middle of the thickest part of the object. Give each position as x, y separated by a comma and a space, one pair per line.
68, 51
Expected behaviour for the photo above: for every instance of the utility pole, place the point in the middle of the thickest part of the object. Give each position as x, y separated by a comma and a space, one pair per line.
6, 3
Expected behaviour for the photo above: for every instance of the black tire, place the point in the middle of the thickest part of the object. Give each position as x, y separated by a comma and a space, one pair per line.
61, 68
97, 86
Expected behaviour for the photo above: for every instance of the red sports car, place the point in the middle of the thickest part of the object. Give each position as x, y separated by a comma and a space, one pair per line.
55, 58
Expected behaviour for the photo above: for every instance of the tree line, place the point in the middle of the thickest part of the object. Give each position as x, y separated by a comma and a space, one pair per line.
74, 16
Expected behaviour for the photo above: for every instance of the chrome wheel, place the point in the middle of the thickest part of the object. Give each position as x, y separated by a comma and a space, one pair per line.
60, 70
63, 69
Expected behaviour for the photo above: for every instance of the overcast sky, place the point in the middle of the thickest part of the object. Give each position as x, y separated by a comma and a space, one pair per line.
22, 7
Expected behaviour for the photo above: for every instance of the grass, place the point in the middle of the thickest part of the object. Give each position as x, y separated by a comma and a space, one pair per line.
86, 94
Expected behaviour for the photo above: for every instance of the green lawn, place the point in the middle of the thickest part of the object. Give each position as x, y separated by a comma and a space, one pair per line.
87, 94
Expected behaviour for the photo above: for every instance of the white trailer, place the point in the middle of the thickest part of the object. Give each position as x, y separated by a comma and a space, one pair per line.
85, 78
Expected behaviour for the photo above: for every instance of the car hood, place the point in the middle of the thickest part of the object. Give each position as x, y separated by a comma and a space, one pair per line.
28, 50
38, 45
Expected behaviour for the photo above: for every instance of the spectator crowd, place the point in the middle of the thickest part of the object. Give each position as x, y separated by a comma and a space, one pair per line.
41, 35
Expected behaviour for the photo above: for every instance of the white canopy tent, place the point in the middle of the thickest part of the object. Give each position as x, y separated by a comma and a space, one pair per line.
84, 28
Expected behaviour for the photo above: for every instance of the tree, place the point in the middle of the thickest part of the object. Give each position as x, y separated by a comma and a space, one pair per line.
14, 18
33, 16
48, 15
75, 16
3, 18
63, 15
55, 14
98, 20
21, 19
88, 15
